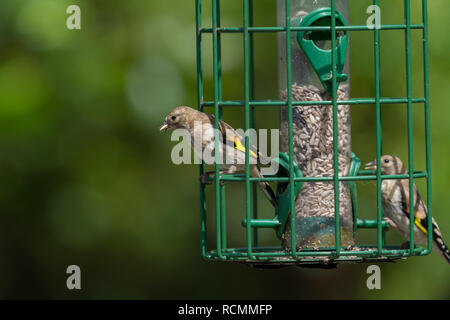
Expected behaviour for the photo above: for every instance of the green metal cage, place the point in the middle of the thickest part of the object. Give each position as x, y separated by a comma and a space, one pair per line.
257, 255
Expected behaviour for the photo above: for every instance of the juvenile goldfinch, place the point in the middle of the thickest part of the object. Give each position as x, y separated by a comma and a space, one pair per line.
395, 202
200, 126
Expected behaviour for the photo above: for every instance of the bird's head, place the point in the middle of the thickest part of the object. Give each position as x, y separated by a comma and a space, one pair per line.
389, 165
178, 118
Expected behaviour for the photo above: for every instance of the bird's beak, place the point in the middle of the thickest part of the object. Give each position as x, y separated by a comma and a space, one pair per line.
371, 165
164, 126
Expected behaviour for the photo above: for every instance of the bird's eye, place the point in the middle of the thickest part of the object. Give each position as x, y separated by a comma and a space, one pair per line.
174, 117
386, 160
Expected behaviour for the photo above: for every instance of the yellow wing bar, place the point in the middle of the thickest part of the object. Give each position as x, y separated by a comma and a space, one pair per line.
238, 145
420, 226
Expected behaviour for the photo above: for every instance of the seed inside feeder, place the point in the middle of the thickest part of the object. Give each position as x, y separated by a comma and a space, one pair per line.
313, 153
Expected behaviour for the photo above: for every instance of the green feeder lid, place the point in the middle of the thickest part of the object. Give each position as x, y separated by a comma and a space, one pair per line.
321, 59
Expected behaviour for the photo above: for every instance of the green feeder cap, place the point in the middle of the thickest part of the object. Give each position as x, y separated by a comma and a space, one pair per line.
321, 59
284, 191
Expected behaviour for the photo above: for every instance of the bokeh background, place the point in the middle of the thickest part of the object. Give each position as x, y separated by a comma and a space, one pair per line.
86, 176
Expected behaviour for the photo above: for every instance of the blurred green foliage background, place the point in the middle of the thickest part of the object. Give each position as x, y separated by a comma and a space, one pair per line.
86, 176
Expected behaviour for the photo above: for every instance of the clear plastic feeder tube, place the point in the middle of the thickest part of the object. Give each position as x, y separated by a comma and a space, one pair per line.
313, 127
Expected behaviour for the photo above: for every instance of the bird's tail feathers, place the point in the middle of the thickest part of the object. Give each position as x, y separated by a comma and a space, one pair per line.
440, 247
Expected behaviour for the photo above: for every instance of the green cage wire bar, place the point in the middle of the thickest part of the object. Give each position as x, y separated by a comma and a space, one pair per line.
252, 252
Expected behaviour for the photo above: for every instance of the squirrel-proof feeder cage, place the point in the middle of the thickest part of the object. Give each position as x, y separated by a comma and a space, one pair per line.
318, 172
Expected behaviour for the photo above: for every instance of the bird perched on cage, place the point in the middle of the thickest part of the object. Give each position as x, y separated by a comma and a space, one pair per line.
201, 126
395, 202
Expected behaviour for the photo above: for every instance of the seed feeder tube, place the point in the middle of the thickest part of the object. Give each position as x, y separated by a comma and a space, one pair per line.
311, 69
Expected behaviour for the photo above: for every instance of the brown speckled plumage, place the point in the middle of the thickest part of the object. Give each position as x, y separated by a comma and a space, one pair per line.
396, 206
201, 126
